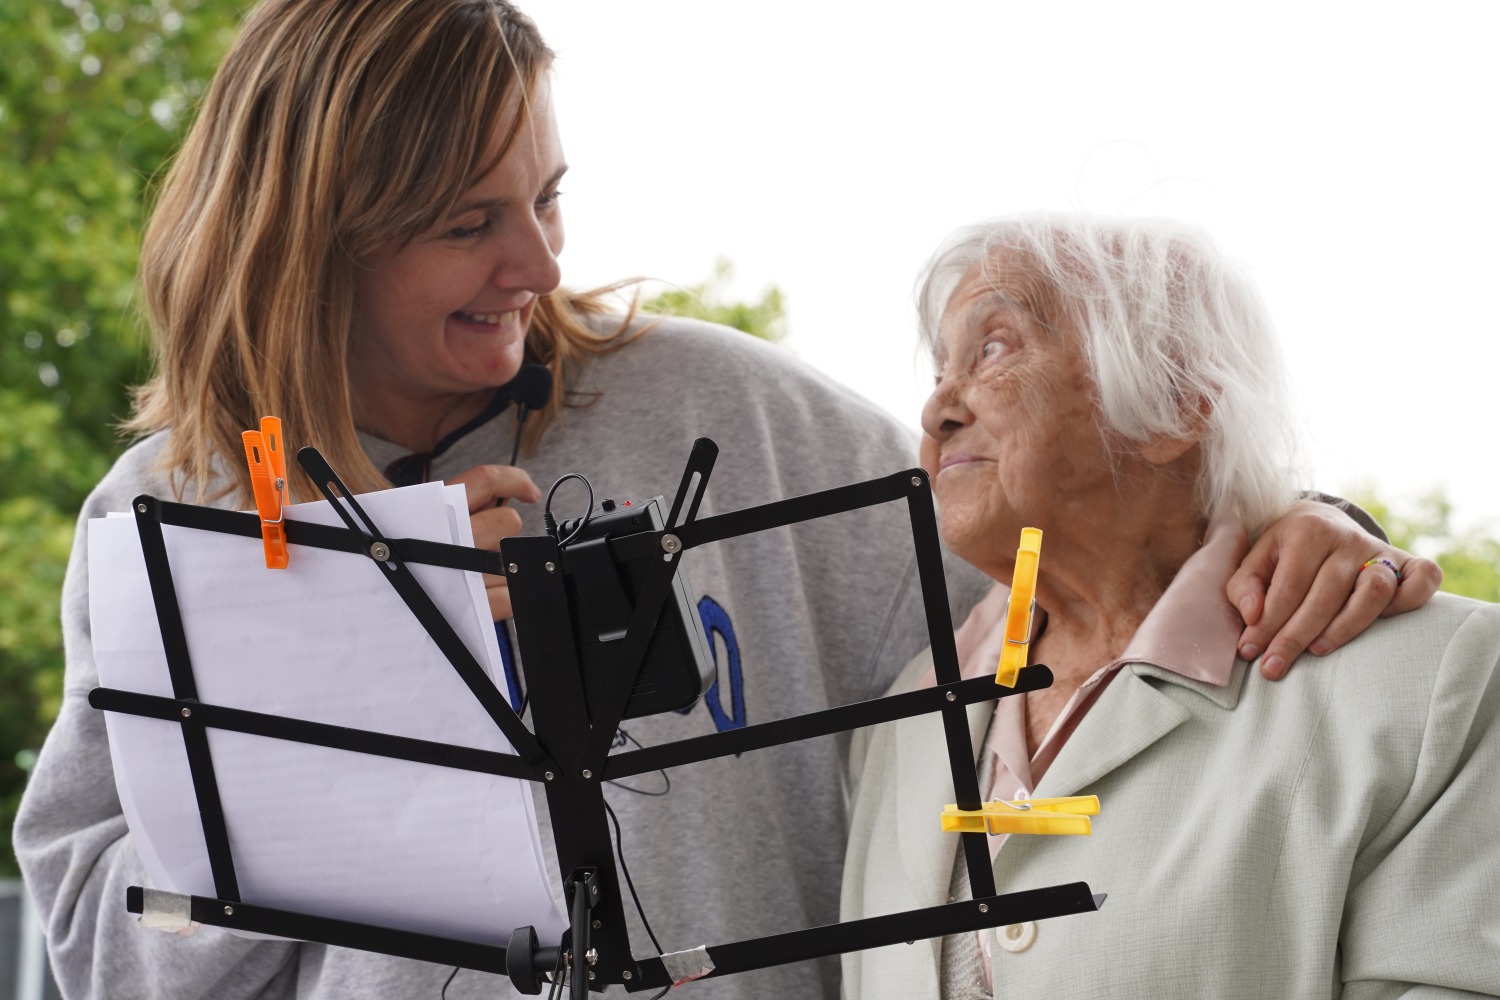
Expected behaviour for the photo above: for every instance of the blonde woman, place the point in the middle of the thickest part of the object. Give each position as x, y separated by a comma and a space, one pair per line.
360, 235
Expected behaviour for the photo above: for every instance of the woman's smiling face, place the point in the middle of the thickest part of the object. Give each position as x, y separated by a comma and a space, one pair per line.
1012, 434
443, 316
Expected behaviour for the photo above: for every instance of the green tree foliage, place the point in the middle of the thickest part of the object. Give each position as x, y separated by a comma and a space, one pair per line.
93, 96
764, 318
1470, 558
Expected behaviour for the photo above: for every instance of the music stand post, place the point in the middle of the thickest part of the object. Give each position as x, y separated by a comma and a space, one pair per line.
568, 754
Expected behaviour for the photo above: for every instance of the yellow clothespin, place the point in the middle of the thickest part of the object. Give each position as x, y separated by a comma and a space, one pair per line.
1043, 816
1022, 607
267, 460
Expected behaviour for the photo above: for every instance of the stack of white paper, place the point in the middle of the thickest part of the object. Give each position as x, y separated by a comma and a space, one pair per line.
327, 832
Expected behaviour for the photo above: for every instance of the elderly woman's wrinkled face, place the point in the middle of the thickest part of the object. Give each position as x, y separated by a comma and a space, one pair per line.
1012, 430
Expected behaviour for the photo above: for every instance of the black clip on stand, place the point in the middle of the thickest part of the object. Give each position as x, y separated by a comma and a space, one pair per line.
569, 753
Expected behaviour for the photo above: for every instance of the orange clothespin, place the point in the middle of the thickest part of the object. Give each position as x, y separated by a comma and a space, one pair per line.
1067, 816
267, 460
1021, 609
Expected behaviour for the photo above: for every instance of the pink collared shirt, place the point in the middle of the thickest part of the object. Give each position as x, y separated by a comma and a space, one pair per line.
1192, 631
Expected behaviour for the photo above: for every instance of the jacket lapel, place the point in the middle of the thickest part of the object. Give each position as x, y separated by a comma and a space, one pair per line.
1130, 715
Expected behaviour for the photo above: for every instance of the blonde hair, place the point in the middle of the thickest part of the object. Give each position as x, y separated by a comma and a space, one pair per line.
1178, 341
332, 127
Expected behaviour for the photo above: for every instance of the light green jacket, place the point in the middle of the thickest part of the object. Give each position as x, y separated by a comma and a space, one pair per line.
1334, 834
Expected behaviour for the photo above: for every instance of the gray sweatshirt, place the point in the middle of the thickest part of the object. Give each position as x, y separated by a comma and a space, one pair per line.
800, 619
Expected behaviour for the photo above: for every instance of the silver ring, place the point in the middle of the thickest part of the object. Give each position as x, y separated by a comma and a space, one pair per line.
1382, 561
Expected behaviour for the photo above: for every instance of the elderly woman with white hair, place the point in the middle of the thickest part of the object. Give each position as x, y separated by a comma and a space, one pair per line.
1116, 384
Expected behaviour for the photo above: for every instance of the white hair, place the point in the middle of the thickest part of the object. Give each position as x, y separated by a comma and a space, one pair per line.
1178, 341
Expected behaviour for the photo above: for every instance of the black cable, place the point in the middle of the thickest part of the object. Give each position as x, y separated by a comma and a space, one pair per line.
449, 982
557, 973
515, 449
588, 512
640, 791
620, 851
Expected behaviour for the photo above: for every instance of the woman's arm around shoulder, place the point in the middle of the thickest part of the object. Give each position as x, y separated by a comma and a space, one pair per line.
1315, 579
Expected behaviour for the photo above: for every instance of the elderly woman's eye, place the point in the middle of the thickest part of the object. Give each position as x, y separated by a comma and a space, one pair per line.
991, 350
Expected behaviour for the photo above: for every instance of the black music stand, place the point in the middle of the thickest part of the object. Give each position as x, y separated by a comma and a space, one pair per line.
569, 751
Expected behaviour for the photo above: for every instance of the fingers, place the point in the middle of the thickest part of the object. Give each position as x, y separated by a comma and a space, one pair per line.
498, 591
1299, 607
1274, 586
1420, 579
488, 485
490, 526
1317, 591
1331, 614
1247, 588
1373, 589
1306, 562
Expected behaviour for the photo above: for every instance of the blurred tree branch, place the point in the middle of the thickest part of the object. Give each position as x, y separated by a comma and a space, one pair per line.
764, 318
1470, 558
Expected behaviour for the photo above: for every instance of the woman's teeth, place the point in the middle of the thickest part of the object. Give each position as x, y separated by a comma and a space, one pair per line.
489, 319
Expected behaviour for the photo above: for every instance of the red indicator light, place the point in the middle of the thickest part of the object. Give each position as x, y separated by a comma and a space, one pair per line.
627, 503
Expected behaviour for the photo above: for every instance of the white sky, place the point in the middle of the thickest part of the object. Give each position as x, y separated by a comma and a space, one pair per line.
1349, 152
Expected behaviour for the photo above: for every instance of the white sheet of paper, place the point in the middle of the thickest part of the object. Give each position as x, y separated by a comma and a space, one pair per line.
328, 832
